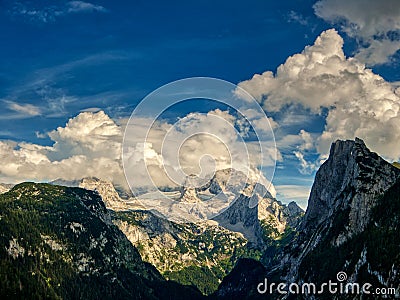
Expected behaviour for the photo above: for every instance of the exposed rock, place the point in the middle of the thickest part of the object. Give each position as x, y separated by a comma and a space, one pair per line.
350, 225
106, 190
172, 248
247, 214
4, 188
348, 183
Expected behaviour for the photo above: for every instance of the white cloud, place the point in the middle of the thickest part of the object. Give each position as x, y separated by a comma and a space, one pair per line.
370, 22
308, 141
310, 78
28, 110
80, 6
197, 144
90, 144
358, 102
93, 133
298, 193
378, 51
48, 14
306, 167
297, 18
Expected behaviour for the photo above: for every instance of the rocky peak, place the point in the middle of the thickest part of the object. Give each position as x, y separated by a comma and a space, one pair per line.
249, 213
225, 181
347, 187
352, 215
293, 209
351, 179
189, 190
104, 188
189, 194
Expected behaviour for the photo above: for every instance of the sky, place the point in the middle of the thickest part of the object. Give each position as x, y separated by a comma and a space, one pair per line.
72, 72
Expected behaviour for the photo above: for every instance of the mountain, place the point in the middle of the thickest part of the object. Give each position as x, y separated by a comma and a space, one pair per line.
5, 187
202, 252
346, 189
59, 242
246, 207
109, 194
350, 226
198, 254
259, 216
188, 248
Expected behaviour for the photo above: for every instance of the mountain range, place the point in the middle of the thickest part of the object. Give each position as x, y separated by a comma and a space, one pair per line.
85, 239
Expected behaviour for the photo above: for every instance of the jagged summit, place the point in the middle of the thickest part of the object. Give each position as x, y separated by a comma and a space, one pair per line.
104, 188
351, 178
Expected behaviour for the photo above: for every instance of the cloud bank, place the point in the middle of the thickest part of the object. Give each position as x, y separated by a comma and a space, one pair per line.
357, 102
90, 145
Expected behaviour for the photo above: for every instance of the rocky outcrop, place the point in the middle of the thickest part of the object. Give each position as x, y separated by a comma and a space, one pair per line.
249, 213
351, 178
105, 189
204, 250
347, 186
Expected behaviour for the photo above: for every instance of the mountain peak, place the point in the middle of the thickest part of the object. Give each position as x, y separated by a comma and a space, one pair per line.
351, 169
340, 147
104, 188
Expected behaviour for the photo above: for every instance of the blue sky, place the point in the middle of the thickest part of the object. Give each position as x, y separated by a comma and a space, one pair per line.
59, 58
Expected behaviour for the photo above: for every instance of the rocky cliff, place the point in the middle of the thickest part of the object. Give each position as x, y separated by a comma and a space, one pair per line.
350, 226
348, 184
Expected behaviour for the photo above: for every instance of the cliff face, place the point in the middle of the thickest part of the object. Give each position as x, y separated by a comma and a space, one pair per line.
251, 220
349, 184
350, 225
351, 178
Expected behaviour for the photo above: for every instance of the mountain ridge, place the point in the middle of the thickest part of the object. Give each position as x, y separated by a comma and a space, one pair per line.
59, 242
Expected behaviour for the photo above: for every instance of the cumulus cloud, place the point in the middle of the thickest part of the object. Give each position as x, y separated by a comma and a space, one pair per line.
198, 144
358, 102
371, 22
90, 144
